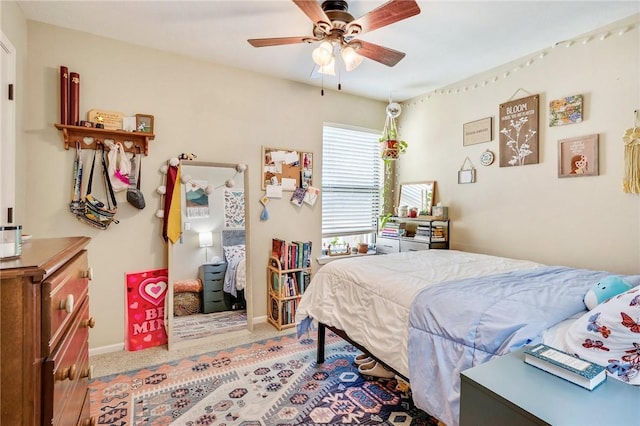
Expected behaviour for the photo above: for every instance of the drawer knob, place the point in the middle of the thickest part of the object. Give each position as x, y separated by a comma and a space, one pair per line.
66, 373
88, 372
67, 303
88, 274
90, 322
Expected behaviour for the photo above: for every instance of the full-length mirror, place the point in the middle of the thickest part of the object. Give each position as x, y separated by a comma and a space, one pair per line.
418, 195
209, 283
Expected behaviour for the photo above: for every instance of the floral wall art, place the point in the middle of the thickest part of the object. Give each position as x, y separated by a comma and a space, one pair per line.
519, 131
565, 111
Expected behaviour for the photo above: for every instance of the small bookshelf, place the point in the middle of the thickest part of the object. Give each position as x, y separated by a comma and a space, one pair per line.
288, 276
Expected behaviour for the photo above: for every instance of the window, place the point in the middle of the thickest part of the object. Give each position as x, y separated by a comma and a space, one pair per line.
351, 184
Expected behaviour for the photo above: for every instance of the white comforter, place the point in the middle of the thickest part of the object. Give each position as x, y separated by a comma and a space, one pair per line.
369, 297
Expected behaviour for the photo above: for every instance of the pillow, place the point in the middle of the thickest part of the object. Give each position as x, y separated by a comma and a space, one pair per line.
605, 289
188, 285
609, 335
234, 252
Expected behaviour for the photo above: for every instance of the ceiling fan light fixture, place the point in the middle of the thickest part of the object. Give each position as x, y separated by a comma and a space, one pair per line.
351, 58
328, 69
323, 54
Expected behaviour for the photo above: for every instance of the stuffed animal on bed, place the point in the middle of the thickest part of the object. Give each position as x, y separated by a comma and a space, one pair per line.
605, 289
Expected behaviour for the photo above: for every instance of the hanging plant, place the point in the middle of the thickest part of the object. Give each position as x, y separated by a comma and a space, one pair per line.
392, 147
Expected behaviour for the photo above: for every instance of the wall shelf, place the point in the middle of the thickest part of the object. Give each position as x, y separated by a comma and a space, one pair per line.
89, 137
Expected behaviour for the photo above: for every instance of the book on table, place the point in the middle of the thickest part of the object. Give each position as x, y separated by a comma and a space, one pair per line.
576, 370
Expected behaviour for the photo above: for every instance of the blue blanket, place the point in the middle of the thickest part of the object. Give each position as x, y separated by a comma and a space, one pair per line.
456, 325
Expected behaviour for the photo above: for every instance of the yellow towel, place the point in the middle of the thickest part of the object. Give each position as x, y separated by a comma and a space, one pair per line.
174, 225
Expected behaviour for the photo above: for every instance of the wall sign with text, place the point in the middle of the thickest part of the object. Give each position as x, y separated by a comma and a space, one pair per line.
518, 124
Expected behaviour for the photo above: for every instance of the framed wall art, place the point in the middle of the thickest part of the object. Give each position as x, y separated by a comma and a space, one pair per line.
565, 111
578, 156
478, 131
518, 123
467, 173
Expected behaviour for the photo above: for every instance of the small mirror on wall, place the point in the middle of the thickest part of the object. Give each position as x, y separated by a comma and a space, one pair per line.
419, 195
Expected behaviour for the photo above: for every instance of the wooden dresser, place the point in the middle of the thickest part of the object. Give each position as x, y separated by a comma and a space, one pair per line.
44, 340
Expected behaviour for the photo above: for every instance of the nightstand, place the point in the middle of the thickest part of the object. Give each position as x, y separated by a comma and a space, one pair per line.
212, 277
507, 391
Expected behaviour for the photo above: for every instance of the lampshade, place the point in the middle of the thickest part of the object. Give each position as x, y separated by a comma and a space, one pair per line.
206, 239
351, 58
328, 69
323, 54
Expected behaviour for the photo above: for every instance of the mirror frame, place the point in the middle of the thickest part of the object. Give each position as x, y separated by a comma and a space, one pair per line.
168, 314
428, 204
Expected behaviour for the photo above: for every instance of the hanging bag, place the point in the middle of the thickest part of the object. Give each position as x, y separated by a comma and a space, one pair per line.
76, 206
119, 167
134, 194
96, 213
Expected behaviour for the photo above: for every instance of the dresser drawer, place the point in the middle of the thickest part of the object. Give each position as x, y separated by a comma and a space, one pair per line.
413, 245
214, 268
213, 284
62, 294
213, 296
387, 245
210, 307
66, 372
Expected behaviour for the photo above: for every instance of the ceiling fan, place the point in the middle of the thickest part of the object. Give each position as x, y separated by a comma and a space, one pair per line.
335, 28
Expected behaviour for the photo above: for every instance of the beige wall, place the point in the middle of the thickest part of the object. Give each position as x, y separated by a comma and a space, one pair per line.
528, 212
221, 114
226, 115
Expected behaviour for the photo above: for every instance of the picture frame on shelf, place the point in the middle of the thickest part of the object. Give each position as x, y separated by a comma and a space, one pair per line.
578, 156
144, 123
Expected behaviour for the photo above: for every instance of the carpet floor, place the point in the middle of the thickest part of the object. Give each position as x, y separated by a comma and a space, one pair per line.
267, 383
204, 325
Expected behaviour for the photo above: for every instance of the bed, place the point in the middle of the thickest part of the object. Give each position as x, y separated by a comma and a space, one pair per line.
430, 314
234, 250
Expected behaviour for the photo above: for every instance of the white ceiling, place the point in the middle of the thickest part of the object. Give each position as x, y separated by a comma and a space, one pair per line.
447, 42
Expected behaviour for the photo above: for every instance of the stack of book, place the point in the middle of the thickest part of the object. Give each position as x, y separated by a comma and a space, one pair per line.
426, 232
292, 284
392, 229
576, 370
294, 255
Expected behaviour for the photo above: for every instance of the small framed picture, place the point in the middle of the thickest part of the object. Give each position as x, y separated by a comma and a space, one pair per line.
578, 156
144, 123
477, 131
467, 176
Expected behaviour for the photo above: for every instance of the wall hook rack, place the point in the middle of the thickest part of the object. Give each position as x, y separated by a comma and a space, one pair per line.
91, 138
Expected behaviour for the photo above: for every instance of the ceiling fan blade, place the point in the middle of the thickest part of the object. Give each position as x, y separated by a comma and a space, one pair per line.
387, 14
313, 10
277, 41
384, 55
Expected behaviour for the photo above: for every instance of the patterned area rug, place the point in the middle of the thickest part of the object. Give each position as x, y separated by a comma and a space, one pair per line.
267, 383
203, 325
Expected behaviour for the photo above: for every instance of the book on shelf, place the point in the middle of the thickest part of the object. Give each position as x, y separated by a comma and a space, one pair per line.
576, 370
279, 251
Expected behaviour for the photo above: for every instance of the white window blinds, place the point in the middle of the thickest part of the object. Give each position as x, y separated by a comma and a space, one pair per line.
351, 180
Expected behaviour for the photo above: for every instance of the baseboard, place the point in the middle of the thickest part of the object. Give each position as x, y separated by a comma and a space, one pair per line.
118, 347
